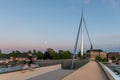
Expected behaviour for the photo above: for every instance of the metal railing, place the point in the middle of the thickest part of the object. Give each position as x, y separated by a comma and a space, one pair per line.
103, 71
18, 65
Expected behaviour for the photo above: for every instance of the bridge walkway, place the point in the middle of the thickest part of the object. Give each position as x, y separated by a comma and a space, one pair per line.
90, 71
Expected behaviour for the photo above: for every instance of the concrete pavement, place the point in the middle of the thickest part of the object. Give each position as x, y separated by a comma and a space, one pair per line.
20, 75
53, 75
90, 71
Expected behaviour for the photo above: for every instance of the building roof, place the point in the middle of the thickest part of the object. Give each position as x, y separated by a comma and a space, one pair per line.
95, 50
114, 53
4, 56
24, 55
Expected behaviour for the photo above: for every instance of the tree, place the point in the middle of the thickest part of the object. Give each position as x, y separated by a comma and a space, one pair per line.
79, 54
56, 56
34, 51
50, 54
14, 53
29, 51
17, 52
67, 55
104, 59
61, 54
40, 55
98, 58
2, 55
0, 52
47, 55
64, 54
113, 58
118, 58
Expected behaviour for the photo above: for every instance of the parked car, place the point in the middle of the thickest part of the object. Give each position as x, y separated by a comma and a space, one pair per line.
118, 62
117, 69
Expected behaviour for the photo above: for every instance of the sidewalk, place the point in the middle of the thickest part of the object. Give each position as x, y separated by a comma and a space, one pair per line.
90, 71
19, 75
53, 75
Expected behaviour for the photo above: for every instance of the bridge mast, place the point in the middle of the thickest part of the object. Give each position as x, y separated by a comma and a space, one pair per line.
82, 37
81, 29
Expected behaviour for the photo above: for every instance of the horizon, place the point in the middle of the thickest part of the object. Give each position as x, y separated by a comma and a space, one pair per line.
43, 51
27, 25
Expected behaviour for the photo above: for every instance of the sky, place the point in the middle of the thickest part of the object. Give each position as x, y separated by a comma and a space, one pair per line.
41, 24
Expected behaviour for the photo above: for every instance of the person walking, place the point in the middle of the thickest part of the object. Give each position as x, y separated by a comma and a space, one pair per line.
27, 63
30, 60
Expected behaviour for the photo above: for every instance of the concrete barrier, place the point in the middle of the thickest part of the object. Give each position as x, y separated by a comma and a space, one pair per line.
77, 64
15, 67
66, 64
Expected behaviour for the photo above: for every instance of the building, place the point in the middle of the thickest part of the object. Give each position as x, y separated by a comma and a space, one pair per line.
24, 56
91, 54
2, 57
111, 55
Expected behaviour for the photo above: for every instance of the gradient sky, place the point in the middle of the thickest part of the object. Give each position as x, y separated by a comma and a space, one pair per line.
41, 24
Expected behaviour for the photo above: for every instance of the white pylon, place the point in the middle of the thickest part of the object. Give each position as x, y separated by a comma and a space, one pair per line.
82, 41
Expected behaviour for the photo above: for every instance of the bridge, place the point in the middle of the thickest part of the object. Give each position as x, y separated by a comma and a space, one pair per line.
90, 71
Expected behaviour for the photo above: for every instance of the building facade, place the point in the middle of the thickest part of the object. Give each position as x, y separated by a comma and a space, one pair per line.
111, 55
24, 57
91, 54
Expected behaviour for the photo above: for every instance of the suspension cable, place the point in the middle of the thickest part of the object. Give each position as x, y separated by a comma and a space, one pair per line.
88, 34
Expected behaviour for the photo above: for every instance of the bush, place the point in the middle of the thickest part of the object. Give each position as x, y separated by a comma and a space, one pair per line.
98, 58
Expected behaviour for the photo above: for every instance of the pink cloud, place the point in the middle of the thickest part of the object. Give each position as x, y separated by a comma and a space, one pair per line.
113, 3
87, 1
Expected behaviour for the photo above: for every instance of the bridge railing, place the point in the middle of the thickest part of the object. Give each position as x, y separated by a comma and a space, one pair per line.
18, 65
77, 64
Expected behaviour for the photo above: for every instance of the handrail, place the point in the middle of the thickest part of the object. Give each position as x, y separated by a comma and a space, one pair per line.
105, 74
112, 73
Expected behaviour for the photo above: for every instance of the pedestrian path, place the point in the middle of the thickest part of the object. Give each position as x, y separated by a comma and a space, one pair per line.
90, 71
53, 75
20, 75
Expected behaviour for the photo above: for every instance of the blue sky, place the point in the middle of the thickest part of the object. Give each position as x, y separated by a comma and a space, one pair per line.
41, 24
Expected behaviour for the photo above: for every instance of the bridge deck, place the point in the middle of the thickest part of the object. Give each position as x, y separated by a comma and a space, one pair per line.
21, 75
90, 71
